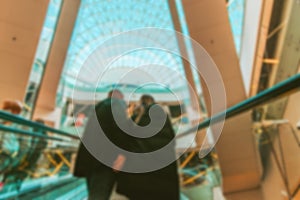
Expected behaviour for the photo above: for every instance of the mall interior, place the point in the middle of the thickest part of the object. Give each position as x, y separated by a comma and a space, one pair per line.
227, 73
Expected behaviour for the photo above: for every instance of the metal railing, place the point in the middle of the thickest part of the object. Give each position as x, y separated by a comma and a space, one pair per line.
286, 87
19, 120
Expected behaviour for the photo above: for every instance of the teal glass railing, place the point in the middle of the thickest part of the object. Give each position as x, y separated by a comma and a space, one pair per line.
286, 87
21, 121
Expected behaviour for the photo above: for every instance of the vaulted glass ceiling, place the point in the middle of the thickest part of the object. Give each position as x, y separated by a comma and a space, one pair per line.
99, 20
236, 17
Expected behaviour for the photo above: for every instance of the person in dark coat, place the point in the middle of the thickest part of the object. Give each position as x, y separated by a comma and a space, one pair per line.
100, 177
162, 184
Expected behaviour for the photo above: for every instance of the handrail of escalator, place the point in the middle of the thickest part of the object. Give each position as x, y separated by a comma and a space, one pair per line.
286, 87
19, 120
28, 133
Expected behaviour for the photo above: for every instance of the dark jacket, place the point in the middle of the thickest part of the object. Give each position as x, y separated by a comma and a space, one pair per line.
103, 117
159, 184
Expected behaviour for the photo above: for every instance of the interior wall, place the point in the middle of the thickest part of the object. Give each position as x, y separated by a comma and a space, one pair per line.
287, 52
255, 194
273, 185
21, 23
209, 25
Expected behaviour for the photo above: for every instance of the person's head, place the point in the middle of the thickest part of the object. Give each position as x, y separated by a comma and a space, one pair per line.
39, 120
115, 93
147, 100
15, 107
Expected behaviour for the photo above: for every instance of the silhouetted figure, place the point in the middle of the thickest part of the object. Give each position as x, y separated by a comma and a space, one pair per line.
162, 184
101, 178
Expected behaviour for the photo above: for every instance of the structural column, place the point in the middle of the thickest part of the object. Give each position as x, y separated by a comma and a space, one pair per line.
46, 100
21, 23
208, 24
194, 97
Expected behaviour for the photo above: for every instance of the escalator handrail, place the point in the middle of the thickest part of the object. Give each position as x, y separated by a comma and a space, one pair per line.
19, 120
286, 87
28, 133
